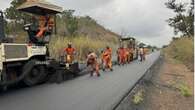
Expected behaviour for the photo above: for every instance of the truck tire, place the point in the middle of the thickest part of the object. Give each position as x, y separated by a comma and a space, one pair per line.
35, 76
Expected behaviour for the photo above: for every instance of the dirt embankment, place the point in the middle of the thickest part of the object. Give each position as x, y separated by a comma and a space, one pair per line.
172, 88
167, 87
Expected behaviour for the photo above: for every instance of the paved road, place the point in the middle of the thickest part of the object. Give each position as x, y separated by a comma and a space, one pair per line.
83, 93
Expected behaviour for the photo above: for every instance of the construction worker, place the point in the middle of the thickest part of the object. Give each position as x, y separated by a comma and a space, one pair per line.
118, 55
127, 51
93, 63
46, 23
141, 53
131, 53
102, 58
144, 53
42, 27
69, 53
107, 59
121, 55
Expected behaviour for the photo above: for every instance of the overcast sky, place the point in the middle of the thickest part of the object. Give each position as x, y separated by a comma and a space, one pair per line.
144, 19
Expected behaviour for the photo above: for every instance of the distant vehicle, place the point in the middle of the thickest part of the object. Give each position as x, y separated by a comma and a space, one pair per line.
130, 43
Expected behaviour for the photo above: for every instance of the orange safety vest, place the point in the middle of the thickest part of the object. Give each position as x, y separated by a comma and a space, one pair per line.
127, 51
108, 52
42, 27
121, 52
69, 51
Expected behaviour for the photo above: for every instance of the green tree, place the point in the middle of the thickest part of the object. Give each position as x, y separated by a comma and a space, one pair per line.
71, 21
142, 44
13, 14
184, 18
17, 18
149, 46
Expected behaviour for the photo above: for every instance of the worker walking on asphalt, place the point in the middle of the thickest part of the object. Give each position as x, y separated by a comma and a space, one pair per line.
92, 62
107, 59
131, 54
142, 54
127, 51
121, 55
102, 57
69, 53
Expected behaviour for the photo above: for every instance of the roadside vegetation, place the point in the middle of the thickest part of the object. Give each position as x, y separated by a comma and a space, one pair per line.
182, 50
138, 97
184, 90
82, 44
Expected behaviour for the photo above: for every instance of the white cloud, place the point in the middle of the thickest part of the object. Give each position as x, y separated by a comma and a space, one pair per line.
4, 4
143, 19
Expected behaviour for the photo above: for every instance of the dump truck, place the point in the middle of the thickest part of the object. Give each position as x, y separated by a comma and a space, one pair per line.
31, 62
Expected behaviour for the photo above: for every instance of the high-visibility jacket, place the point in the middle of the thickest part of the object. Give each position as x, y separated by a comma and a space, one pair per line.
70, 51
44, 24
69, 56
121, 55
107, 58
41, 32
109, 51
127, 51
121, 52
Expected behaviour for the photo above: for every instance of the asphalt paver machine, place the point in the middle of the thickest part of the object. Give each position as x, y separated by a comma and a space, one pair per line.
30, 62
130, 42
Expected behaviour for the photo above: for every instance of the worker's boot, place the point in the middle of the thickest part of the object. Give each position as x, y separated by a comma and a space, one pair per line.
104, 67
110, 65
98, 74
91, 74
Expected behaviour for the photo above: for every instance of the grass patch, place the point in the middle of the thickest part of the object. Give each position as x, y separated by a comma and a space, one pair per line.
138, 97
184, 90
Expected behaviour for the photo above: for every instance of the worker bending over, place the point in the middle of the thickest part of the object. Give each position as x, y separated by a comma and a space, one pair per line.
92, 62
107, 59
69, 53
